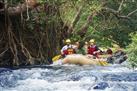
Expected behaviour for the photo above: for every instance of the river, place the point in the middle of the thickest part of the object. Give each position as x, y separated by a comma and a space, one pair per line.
69, 78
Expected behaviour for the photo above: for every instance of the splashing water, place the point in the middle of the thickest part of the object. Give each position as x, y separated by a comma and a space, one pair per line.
69, 78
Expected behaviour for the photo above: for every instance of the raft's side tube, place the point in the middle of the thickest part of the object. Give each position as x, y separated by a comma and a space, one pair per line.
82, 60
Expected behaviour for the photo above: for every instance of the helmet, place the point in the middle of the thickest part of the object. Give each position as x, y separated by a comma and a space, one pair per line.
92, 41
68, 41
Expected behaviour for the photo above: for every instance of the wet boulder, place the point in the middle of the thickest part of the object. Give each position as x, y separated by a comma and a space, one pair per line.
117, 58
101, 86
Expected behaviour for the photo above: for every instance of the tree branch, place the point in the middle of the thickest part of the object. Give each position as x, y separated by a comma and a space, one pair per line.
116, 13
120, 6
30, 4
131, 13
75, 20
85, 27
110, 10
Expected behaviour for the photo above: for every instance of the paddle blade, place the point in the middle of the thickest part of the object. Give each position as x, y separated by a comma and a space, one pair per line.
57, 57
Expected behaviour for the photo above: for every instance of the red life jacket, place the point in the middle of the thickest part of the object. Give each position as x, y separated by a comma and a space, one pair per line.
69, 51
92, 49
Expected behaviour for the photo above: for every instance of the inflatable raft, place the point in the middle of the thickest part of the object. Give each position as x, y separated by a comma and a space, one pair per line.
79, 59
116, 58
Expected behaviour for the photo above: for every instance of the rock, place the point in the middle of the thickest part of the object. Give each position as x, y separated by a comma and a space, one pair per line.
101, 85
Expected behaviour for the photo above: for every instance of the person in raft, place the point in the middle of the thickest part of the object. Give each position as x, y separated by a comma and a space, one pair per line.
93, 49
68, 48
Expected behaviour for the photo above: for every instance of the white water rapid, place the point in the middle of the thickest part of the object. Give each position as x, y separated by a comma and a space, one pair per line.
69, 78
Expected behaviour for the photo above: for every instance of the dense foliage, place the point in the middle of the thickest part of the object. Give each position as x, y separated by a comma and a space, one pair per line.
106, 27
132, 50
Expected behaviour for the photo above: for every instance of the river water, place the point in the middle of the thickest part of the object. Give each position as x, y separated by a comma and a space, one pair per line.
69, 78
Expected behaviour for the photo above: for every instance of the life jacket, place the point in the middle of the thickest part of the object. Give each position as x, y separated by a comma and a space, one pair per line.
92, 49
69, 51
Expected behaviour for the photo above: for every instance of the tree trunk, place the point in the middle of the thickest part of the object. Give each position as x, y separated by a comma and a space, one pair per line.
85, 27
75, 20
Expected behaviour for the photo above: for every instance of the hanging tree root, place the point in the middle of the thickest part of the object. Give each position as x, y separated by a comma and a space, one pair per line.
27, 54
14, 44
16, 48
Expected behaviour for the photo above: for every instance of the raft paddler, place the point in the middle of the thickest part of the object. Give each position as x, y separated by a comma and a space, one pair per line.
68, 48
93, 48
